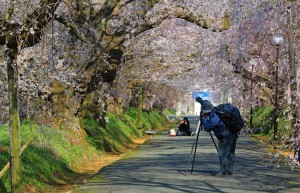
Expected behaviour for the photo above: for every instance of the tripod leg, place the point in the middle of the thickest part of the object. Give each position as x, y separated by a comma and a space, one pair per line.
195, 149
192, 150
187, 167
214, 141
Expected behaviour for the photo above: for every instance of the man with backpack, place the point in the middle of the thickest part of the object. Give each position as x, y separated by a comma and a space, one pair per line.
226, 137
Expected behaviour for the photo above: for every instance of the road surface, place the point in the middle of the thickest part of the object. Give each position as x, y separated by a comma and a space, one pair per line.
159, 166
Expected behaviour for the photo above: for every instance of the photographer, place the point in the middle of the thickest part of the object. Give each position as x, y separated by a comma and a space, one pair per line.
184, 128
227, 139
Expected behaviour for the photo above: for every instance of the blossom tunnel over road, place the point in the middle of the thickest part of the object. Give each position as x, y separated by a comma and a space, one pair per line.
64, 60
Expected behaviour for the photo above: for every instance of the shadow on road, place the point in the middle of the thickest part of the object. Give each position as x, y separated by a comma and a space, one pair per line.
160, 164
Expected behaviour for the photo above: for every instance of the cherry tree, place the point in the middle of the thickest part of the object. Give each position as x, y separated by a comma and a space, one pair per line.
210, 58
77, 48
100, 28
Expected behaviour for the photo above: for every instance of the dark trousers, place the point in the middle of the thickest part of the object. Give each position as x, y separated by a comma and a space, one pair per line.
181, 133
226, 155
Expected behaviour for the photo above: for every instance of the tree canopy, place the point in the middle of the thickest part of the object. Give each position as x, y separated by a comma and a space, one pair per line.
70, 58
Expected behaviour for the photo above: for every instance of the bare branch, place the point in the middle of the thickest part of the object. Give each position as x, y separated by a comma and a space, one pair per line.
84, 10
71, 8
247, 75
10, 11
102, 17
73, 29
30, 32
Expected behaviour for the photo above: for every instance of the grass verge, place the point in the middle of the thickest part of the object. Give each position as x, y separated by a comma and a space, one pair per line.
263, 118
51, 162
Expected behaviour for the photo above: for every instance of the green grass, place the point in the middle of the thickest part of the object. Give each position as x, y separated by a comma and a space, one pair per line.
155, 121
169, 112
47, 160
121, 129
113, 138
50, 159
263, 118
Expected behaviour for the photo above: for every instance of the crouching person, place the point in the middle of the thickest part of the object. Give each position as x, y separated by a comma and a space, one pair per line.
226, 139
184, 128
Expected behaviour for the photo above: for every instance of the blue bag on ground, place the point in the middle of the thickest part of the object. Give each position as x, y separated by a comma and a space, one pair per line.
231, 117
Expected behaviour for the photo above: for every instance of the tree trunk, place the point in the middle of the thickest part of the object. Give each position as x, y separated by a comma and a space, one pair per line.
14, 122
294, 86
140, 107
251, 98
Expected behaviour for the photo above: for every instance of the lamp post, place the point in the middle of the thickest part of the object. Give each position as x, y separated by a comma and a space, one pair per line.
277, 41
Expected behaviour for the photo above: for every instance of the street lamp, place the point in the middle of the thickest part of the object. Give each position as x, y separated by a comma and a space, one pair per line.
278, 40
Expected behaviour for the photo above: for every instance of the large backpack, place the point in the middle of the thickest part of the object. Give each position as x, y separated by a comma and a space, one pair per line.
231, 116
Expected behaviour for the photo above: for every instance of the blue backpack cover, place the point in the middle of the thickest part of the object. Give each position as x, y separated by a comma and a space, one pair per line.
231, 117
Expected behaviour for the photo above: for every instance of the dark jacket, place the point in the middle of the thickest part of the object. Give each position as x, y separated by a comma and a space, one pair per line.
184, 128
213, 122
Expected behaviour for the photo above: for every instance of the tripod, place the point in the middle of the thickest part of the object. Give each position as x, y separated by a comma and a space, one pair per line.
195, 143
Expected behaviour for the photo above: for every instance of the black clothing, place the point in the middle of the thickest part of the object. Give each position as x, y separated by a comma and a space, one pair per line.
183, 130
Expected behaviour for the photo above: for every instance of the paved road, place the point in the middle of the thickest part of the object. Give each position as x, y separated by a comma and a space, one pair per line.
159, 166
